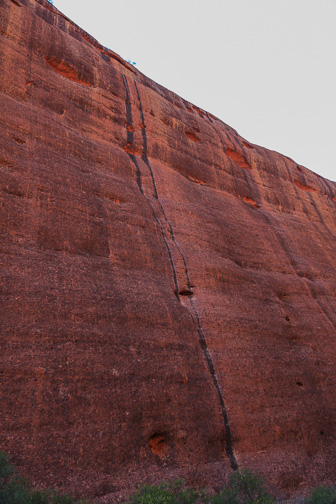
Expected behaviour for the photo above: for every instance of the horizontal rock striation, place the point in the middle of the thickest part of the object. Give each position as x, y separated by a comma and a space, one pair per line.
168, 288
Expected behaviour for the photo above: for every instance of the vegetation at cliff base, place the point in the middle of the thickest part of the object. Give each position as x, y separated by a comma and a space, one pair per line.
322, 495
16, 490
244, 487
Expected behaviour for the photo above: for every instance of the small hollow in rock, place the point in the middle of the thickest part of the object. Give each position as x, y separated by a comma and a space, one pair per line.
158, 444
238, 158
304, 187
192, 136
186, 292
247, 145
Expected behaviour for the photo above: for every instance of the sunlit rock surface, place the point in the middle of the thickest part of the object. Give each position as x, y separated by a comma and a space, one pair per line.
168, 289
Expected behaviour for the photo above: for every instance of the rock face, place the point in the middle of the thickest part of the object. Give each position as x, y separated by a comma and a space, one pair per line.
168, 289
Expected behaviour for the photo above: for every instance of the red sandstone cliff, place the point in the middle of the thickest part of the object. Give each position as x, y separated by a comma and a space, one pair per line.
168, 289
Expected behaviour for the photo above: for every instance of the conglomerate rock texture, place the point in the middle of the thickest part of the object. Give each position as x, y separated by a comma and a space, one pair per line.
168, 289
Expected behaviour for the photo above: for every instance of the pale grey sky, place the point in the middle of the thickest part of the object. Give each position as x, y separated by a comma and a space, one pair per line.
265, 67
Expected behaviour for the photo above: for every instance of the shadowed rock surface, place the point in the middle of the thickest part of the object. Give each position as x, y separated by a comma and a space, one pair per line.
168, 289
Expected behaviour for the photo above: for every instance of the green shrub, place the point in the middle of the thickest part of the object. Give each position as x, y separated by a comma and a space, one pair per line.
244, 487
322, 495
12, 488
16, 490
6, 469
165, 493
225, 496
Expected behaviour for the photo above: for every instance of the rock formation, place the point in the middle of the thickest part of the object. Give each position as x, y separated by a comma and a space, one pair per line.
168, 288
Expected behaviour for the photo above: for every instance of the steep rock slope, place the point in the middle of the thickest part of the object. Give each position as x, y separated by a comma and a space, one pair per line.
168, 289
